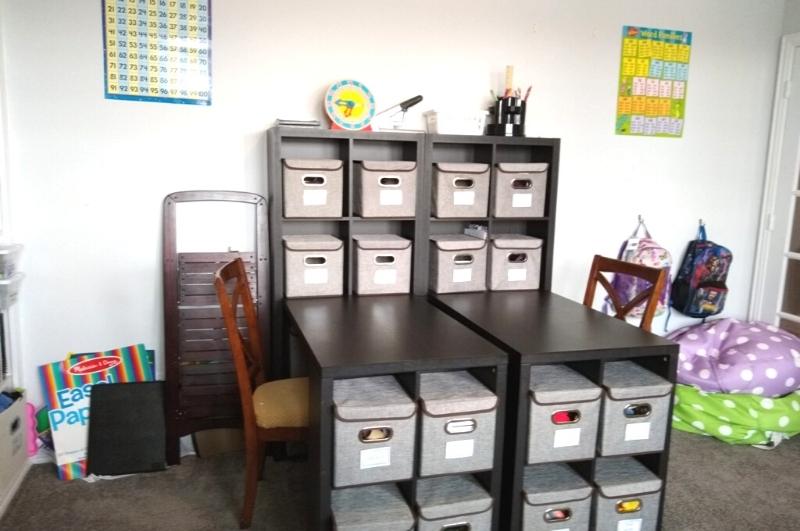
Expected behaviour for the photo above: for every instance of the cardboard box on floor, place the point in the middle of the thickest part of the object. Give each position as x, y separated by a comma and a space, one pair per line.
208, 443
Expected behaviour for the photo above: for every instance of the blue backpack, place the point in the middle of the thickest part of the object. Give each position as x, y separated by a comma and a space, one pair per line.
699, 290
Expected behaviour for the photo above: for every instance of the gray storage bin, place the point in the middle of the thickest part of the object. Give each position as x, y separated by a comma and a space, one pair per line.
564, 415
460, 190
458, 263
373, 431
515, 262
458, 423
373, 508
635, 409
314, 265
386, 189
519, 190
624, 481
312, 188
383, 264
453, 503
555, 498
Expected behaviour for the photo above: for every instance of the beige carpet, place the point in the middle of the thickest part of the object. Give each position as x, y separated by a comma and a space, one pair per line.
712, 487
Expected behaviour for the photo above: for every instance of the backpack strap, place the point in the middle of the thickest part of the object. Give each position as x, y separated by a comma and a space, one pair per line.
639, 226
701, 231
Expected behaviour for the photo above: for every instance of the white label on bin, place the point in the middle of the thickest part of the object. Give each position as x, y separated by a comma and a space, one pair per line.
391, 198
639, 431
462, 275
567, 437
517, 274
459, 449
376, 457
521, 200
315, 197
313, 275
630, 525
465, 198
385, 276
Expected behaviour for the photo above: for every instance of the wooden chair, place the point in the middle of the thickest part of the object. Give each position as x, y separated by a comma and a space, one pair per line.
271, 411
656, 278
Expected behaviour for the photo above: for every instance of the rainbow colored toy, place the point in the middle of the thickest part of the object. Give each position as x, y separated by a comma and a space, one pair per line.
67, 387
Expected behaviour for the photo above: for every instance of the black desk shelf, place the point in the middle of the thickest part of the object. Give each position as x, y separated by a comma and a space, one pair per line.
537, 328
343, 340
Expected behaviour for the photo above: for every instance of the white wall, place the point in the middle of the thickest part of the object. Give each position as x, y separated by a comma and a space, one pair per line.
791, 17
89, 174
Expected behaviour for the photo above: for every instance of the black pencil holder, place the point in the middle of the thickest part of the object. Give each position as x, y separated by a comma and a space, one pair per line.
508, 115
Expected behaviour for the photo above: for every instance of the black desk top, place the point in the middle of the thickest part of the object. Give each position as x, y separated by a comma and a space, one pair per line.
543, 327
360, 336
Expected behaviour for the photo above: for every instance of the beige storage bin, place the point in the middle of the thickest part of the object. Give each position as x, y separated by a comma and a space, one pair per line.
515, 262
312, 188
385, 189
313, 265
460, 190
458, 263
519, 190
383, 264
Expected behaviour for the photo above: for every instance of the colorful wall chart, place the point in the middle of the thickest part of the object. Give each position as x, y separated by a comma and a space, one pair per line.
654, 71
158, 50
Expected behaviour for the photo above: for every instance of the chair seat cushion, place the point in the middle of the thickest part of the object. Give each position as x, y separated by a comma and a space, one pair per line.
282, 403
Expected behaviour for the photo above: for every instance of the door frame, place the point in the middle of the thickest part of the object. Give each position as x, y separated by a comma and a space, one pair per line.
790, 45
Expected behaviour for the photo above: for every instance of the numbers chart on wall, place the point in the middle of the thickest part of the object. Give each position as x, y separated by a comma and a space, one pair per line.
654, 71
158, 50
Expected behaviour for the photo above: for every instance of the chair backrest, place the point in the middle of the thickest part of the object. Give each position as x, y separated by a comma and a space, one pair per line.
233, 292
656, 278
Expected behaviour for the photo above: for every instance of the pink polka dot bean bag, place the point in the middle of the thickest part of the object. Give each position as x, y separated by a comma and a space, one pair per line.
731, 356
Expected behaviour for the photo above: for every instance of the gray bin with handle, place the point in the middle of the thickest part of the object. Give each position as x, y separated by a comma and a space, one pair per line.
313, 265
460, 190
312, 188
373, 508
453, 503
386, 189
458, 263
635, 409
555, 497
519, 190
515, 262
383, 264
628, 495
458, 423
374, 430
564, 415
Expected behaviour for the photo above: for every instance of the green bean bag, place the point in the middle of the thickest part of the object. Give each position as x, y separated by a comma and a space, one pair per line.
736, 418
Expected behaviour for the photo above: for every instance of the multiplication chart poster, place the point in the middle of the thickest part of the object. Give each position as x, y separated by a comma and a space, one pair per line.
158, 50
652, 82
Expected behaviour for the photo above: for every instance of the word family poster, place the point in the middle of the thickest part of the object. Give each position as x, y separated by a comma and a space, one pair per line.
654, 71
158, 50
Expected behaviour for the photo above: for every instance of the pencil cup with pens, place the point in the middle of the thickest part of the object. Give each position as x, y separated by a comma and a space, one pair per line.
508, 110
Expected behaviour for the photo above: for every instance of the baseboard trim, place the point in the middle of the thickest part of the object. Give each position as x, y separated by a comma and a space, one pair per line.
15, 484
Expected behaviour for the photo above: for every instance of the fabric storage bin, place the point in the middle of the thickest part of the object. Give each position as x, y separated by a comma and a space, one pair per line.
635, 409
515, 262
628, 495
458, 263
383, 264
453, 503
564, 415
374, 428
312, 188
374, 508
314, 265
386, 189
519, 190
460, 190
13, 448
458, 421
555, 498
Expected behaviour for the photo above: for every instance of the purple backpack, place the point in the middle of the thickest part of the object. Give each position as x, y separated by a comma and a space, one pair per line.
643, 251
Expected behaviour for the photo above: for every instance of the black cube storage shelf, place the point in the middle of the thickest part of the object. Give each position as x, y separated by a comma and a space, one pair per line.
564, 332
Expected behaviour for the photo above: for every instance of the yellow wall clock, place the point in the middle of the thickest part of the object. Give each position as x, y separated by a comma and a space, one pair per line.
350, 105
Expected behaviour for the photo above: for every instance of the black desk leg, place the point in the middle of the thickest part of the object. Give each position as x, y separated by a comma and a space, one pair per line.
320, 402
516, 445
